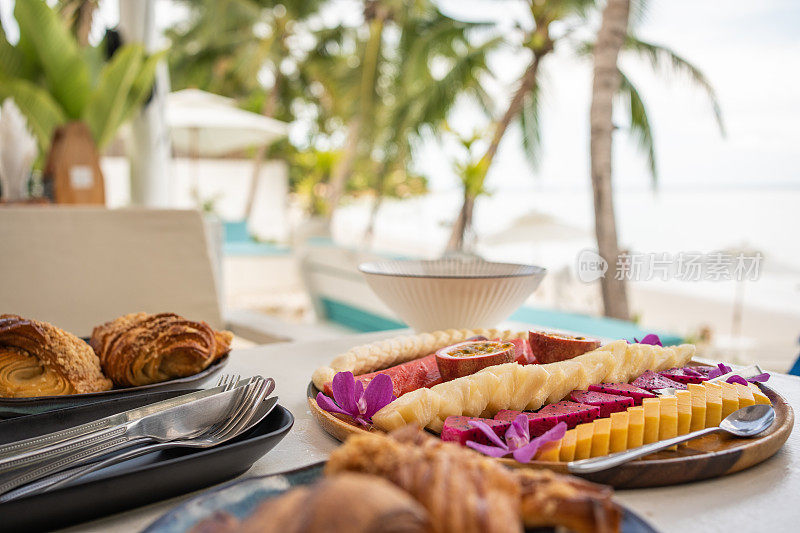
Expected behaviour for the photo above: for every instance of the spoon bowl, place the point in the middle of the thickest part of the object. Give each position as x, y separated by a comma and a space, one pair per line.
749, 421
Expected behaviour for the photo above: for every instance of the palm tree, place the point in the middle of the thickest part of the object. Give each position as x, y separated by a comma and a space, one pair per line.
53, 80
524, 107
606, 83
394, 95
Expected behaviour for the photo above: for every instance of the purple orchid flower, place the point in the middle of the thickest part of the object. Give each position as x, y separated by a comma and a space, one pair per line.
518, 439
650, 338
350, 398
722, 369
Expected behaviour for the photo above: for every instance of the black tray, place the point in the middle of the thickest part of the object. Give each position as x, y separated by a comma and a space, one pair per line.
240, 498
153, 477
13, 407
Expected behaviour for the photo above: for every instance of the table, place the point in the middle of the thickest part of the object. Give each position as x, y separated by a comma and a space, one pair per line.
763, 498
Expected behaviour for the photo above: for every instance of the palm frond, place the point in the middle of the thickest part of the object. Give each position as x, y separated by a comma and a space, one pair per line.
64, 68
41, 111
666, 59
640, 128
106, 107
530, 124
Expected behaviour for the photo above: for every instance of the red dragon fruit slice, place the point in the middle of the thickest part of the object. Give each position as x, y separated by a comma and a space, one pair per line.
571, 413
652, 381
692, 375
608, 403
457, 429
623, 389
523, 354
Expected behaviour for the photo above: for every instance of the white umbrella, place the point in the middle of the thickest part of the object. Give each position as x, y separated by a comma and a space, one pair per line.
535, 227
207, 125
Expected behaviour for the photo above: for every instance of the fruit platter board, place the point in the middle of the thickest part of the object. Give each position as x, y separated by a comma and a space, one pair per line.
540, 400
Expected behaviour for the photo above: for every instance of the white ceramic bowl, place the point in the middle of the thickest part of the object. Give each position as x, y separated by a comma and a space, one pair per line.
452, 293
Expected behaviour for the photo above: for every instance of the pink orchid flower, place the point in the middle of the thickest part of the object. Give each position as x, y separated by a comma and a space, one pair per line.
518, 440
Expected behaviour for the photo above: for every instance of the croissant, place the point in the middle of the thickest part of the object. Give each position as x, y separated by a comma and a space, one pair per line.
351, 503
464, 491
140, 348
39, 359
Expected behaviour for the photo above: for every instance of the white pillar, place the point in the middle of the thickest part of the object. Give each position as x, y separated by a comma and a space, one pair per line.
149, 145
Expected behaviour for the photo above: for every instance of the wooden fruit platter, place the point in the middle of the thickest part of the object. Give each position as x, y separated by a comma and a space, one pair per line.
706, 457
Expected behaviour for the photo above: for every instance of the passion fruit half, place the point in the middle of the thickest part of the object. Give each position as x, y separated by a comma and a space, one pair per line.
466, 358
551, 347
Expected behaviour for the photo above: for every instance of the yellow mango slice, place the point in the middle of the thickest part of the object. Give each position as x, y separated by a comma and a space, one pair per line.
651, 416
668, 418
698, 406
549, 452
601, 437
635, 426
759, 395
713, 404
730, 398
619, 432
745, 395
567, 452
583, 444
684, 411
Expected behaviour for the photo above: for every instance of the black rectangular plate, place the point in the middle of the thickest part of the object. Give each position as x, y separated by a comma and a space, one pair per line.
13, 407
137, 482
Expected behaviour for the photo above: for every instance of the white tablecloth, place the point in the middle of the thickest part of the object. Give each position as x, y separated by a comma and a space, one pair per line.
763, 498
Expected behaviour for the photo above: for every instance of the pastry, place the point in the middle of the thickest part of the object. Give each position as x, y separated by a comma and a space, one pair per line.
140, 348
39, 359
464, 491
352, 503
517, 387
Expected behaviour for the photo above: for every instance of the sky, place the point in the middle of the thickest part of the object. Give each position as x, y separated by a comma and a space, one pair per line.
750, 52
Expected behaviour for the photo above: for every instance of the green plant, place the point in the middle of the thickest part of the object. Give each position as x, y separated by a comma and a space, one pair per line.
53, 80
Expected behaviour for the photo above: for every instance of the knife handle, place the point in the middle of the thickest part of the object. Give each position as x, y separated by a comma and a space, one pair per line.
65, 461
36, 443
56, 450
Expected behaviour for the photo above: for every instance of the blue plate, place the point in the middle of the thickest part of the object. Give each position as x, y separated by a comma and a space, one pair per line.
240, 499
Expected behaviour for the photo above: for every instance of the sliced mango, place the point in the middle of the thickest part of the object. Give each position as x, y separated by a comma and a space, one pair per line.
549, 452
730, 398
698, 406
668, 419
745, 395
635, 426
567, 452
601, 437
583, 444
759, 395
618, 440
651, 416
713, 404
684, 411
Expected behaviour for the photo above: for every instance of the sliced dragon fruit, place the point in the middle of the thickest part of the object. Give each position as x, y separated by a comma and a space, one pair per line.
457, 429
571, 413
623, 389
652, 381
523, 354
608, 403
687, 374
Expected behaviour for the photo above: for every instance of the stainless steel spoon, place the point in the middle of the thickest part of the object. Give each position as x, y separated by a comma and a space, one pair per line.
746, 422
